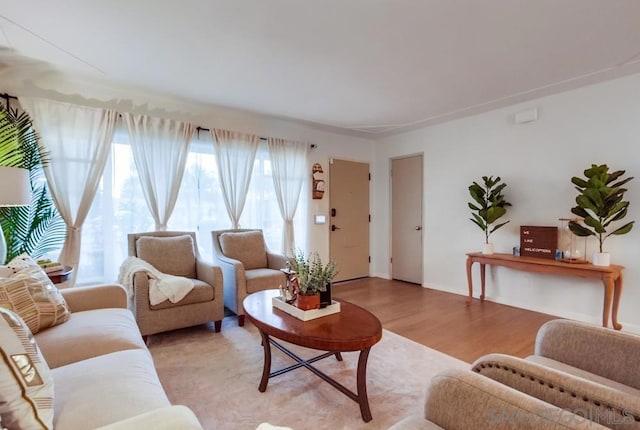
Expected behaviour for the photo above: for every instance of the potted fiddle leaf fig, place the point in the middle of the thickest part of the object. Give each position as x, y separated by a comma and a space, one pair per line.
488, 206
600, 204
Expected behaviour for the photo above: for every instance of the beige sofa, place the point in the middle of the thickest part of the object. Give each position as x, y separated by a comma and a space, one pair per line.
104, 376
581, 367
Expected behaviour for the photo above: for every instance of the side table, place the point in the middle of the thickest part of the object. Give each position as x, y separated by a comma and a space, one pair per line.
62, 275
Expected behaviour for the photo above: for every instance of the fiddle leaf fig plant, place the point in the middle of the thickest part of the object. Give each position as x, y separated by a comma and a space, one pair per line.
600, 203
488, 204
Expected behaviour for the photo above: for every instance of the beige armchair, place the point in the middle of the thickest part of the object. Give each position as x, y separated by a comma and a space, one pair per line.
577, 367
175, 253
460, 399
247, 266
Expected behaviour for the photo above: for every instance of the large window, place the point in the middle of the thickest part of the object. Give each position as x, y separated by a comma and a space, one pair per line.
119, 208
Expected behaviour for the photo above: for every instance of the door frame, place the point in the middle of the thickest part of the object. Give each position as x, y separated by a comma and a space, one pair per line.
390, 214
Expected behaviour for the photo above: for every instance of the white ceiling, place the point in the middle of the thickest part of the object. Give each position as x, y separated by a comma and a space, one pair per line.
377, 66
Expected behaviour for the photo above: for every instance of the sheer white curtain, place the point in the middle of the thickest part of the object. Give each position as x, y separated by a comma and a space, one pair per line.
289, 167
78, 140
235, 153
160, 148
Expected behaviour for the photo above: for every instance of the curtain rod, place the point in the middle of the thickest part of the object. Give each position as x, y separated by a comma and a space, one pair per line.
8, 98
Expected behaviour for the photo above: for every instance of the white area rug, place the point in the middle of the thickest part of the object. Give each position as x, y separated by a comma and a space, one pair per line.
217, 376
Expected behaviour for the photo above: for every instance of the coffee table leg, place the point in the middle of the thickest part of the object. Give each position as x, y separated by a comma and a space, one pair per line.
338, 356
266, 369
363, 400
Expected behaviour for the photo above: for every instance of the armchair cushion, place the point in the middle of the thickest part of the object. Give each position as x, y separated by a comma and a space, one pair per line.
263, 279
173, 255
201, 292
247, 246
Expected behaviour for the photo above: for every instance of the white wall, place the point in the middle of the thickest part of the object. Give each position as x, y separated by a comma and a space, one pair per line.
596, 124
331, 143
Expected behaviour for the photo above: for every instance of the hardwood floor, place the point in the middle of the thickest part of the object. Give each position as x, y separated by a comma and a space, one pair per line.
443, 321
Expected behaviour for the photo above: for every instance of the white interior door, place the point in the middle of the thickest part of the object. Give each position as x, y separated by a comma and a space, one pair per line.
349, 218
406, 219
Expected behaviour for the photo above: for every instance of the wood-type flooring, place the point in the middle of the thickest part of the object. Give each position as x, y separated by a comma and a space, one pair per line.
443, 321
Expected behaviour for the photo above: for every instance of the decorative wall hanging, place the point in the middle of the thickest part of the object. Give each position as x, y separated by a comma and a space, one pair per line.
318, 181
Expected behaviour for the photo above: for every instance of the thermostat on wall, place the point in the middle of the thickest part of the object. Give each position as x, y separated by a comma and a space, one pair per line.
319, 219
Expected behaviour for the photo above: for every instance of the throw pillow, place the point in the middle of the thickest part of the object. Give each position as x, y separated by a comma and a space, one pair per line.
26, 385
30, 293
173, 255
246, 246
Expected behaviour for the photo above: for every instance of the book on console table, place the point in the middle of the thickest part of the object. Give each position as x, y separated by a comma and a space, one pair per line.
294, 311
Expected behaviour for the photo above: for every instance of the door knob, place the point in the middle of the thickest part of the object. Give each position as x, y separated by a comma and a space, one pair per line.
418, 228
334, 228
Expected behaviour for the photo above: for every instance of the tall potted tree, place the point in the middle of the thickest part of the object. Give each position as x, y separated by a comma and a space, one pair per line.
487, 207
600, 203
36, 229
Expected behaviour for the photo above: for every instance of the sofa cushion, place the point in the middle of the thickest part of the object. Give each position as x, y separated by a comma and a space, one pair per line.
174, 255
31, 294
89, 334
105, 389
26, 384
246, 246
264, 279
201, 292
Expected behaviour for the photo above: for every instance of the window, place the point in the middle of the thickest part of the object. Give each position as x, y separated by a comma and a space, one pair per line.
119, 208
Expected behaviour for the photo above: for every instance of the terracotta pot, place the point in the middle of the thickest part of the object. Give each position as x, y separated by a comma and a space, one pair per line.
308, 302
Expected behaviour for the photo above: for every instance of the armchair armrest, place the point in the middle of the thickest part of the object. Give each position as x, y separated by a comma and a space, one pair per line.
276, 260
606, 405
168, 418
602, 351
459, 399
95, 297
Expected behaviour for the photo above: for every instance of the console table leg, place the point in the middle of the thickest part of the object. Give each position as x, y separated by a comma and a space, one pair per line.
617, 294
469, 280
482, 282
266, 369
363, 400
608, 299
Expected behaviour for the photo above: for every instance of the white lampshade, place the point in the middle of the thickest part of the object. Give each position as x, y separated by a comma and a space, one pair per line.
15, 188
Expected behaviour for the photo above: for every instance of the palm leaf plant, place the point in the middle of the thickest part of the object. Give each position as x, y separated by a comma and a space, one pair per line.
488, 204
600, 203
38, 228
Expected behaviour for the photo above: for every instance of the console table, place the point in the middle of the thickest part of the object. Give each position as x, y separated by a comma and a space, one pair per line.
611, 276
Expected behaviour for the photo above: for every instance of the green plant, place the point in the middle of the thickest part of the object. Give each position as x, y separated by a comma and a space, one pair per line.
36, 229
600, 203
313, 276
488, 204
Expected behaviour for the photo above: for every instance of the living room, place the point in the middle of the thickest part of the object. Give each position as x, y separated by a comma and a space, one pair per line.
583, 116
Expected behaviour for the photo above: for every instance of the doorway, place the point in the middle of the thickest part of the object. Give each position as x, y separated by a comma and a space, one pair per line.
349, 218
406, 219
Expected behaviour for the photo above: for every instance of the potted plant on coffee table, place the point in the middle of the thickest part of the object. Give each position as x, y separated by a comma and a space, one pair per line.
313, 278
487, 207
600, 203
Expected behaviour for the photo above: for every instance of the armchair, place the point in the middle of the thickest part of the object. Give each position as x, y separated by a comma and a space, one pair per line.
175, 253
247, 266
579, 367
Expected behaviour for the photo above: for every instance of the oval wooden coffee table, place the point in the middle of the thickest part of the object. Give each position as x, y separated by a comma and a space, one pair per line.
351, 329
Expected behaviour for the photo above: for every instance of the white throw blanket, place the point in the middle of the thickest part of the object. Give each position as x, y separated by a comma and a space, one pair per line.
161, 285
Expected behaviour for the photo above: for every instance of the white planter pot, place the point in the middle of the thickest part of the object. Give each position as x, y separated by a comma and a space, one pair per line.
487, 248
601, 259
